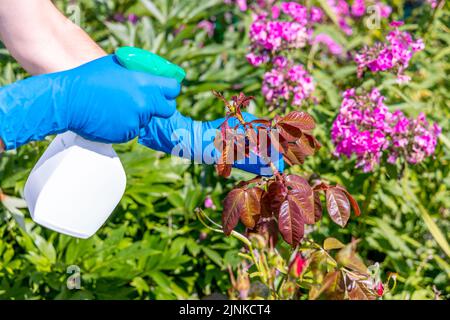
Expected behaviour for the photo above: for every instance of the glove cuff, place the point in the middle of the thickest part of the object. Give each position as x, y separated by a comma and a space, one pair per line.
29, 111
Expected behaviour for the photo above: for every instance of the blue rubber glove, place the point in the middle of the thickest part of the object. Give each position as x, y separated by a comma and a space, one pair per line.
100, 101
184, 137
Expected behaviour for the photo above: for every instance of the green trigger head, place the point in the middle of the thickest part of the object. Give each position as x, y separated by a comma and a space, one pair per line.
142, 60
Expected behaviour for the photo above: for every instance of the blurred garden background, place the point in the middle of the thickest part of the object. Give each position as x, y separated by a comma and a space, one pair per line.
155, 247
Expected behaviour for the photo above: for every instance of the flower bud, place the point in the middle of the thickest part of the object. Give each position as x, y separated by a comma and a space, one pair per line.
297, 266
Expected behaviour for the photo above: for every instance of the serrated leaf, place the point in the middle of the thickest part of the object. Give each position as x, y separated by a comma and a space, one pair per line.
232, 207
275, 195
317, 206
290, 222
299, 120
352, 200
251, 208
338, 206
303, 196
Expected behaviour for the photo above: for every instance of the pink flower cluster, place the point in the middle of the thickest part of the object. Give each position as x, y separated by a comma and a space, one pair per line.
345, 12
287, 82
365, 128
412, 139
271, 36
278, 28
393, 55
361, 127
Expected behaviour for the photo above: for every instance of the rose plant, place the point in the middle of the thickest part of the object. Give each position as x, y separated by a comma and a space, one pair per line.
288, 200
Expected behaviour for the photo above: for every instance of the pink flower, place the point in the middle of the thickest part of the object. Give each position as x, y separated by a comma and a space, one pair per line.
413, 139
285, 82
366, 129
393, 55
316, 14
209, 203
242, 4
384, 9
379, 288
275, 12
298, 12
255, 60
358, 8
334, 48
208, 26
297, 265
433, 3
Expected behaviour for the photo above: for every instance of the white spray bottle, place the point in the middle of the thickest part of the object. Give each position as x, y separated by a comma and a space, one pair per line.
76, 184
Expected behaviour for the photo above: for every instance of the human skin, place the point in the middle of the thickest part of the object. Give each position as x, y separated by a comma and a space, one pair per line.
42, 39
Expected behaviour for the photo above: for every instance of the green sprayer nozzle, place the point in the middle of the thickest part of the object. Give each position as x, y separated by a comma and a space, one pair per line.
142, 60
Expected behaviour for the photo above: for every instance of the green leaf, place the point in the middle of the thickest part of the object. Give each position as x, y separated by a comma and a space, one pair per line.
332, 243
213, 255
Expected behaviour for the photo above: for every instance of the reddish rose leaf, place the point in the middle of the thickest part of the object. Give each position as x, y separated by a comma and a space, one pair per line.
304, 146
268, 228
240, 147
317, 206
232, 208
338, 206
298, 119
290, 222
352, 200
294, 181
313, 141
275, 195
277, 141
242, 100
303, 195
292, 154
287, 132
252, 139
251, 209
261, 121
242, 184
223, 170
266, 205
321, 187
223, 167
263, 143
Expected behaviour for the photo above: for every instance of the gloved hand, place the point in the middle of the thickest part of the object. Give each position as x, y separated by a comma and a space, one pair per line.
100, 101
182, 136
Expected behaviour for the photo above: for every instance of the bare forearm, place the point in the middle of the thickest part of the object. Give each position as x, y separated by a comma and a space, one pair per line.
42, 39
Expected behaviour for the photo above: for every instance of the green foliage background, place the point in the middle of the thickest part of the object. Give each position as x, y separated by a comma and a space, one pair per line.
153, 247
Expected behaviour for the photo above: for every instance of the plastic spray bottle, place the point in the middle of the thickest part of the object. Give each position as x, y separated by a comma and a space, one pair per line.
76, 184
